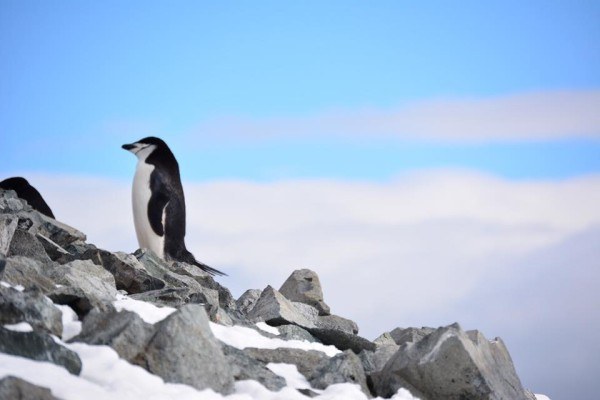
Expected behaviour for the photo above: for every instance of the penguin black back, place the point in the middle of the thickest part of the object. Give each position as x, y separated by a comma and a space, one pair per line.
27, 192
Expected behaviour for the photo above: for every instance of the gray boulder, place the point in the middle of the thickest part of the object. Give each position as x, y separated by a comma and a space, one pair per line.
451, 364
409, 335
294, 332
8, 226
303, 286
14, 388
40, 347
124, 331
60, 233
28, 273
30, 306
342, 368
184, 350
374, 361
247, 300
27, 245
307, 362
273, 308
93, 280
342, 340
335, 322
129, 274
244, 367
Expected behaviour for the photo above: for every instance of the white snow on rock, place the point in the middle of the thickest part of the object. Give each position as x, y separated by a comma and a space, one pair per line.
267, 328
242, 337
20, 327
541, 397
148, 312
20, 288
70, 322
290, 373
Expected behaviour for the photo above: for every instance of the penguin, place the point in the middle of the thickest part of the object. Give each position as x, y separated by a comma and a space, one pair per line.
27, 192
159, 203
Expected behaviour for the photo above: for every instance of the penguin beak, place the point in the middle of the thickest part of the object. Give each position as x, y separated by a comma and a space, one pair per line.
129, 147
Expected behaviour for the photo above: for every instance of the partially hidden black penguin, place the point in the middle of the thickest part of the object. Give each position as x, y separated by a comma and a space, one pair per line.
159, 203
27, 192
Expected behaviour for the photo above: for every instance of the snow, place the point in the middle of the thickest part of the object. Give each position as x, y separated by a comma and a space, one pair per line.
71, 325
20, 327
267, 328
20, 288
148, 312
541, 397
242, 337
290, 373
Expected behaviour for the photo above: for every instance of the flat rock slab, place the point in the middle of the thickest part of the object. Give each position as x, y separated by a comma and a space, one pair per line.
13, 388
30, 306
39, 347
342, 340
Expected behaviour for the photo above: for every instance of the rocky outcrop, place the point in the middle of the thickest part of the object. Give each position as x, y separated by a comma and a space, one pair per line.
40, 347
44, 262
14, 388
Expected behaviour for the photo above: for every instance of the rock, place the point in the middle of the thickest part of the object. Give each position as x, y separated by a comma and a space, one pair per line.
2, 265
342, 340
401, 335
334, 322
94, 281
247, 300
11, 204
226, 300
244, 367
306, 361
130, 274
177, 297
374, 361
276, 310
28, 273
342, 368
451, 364
124, 331
184, 350
304, 286
26, 244
30, 306
8, 226
294, 332
58, 232
54, 250
40, 347
14, 388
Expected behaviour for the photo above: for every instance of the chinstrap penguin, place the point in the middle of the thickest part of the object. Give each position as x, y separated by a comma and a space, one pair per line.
27, 192
159, 204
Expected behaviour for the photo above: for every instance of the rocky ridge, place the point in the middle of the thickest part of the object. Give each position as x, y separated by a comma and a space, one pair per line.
45, 263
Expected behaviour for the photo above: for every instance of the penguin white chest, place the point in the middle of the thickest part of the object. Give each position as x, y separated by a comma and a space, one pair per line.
141, 194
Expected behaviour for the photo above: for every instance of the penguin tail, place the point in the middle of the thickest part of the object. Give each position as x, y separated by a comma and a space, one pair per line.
190, 259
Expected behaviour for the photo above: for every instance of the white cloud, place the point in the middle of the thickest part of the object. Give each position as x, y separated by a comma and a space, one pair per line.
423, 249
522, 116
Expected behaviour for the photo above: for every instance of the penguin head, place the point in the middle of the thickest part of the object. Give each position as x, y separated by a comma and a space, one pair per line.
146, 146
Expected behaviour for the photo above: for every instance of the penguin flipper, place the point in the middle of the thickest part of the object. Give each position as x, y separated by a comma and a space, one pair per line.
157, 203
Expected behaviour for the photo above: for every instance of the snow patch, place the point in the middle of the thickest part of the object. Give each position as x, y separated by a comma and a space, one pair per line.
20, 288
70, 322
267, 328
541, 397
290, 373
20, 327
148, 312
241, 337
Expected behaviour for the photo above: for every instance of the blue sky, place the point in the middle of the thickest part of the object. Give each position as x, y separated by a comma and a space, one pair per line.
89, 75
453, 147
